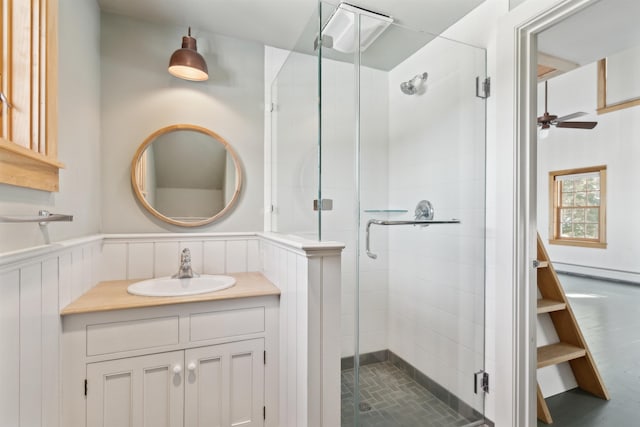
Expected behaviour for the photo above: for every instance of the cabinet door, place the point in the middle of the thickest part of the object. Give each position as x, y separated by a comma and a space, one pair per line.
146, 391
225, 385
28, 105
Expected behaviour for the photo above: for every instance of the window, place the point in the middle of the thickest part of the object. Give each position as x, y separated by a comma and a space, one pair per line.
578, 207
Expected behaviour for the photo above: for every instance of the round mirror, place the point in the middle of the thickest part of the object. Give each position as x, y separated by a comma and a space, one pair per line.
186, 175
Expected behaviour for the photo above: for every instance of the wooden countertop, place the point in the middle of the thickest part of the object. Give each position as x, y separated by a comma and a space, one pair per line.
113, 295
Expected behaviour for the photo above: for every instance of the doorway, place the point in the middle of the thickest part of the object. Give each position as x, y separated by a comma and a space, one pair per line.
525, 195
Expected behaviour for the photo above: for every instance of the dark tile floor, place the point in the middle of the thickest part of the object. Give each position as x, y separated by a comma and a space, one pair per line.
392, 399
609, 315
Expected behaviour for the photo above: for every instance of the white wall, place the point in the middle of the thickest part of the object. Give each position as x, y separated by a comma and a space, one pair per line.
140, 96
78, 139
612, 143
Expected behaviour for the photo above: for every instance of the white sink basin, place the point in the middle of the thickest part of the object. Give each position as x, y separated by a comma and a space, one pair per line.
168, 287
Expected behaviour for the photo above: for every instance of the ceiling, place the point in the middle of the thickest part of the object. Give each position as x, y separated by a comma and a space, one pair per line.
279, 23
606, 27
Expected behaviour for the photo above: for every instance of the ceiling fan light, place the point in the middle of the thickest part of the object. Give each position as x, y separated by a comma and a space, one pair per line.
186, 63
544, 131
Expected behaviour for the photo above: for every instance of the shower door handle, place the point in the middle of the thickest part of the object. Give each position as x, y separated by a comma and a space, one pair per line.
422, 222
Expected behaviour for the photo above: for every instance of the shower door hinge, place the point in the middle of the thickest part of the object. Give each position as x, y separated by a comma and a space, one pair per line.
326, 41
325, 205
483, 88
481, 381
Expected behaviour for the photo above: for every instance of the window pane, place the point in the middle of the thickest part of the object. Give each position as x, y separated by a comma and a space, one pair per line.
593, 198
567, 199
593, 215
579, 184
577, 204
578, 215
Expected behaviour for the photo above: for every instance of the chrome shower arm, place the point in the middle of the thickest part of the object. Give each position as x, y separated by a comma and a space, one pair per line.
400, 222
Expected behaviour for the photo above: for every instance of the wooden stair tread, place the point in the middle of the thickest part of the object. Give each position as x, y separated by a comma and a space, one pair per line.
553, 354
548, 305
553, 301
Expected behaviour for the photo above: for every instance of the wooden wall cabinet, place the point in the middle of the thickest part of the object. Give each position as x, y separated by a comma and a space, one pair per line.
28, 105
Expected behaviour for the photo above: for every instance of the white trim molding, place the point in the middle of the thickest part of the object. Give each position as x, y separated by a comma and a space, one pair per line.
516, 104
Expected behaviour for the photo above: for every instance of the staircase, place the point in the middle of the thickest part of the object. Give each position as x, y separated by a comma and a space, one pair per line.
572, 347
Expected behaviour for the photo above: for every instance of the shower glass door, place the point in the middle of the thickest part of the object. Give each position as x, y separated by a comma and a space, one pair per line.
401, 123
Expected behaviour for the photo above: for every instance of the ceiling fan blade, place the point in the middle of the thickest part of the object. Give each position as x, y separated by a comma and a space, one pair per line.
571, 116
577, 125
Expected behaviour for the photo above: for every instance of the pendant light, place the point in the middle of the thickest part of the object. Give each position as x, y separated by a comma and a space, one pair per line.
186, 63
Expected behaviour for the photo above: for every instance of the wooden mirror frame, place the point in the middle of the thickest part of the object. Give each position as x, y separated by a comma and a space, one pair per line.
172, 128
602, 107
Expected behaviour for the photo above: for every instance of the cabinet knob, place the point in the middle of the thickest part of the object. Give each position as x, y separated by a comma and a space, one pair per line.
191, 366
177, 369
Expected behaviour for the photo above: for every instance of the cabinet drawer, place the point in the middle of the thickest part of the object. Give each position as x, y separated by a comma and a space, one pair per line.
229, 323
114, 337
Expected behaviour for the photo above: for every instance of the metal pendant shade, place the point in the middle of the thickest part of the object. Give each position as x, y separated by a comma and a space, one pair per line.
186, 63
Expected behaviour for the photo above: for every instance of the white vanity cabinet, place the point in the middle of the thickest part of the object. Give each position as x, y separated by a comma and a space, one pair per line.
209, 363
136, 391
219, 385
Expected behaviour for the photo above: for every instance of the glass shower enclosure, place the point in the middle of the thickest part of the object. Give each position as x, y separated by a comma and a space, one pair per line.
378, 141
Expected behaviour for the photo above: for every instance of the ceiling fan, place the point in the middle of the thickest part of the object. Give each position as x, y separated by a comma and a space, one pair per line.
547, 120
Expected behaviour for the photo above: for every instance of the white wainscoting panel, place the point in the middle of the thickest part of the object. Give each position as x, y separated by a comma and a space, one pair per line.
35, 284
38, 282
141, 256
308, 275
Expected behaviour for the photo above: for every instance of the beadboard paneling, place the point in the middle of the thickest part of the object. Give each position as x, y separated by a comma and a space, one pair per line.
35, 285
141, 256
310, 291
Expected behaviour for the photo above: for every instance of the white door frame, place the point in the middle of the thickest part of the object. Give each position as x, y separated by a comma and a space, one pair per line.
516, 107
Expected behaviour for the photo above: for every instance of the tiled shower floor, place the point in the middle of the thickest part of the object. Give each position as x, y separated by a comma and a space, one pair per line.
395, 400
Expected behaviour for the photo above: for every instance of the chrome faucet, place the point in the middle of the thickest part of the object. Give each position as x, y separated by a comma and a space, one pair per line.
185, 271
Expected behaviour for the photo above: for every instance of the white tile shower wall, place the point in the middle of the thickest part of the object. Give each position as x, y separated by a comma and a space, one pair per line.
339, 183
295, 174
309, 283
35, 285
139, 256
436, 289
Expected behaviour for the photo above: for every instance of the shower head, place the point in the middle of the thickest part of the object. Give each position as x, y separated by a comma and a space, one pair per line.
412, 86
